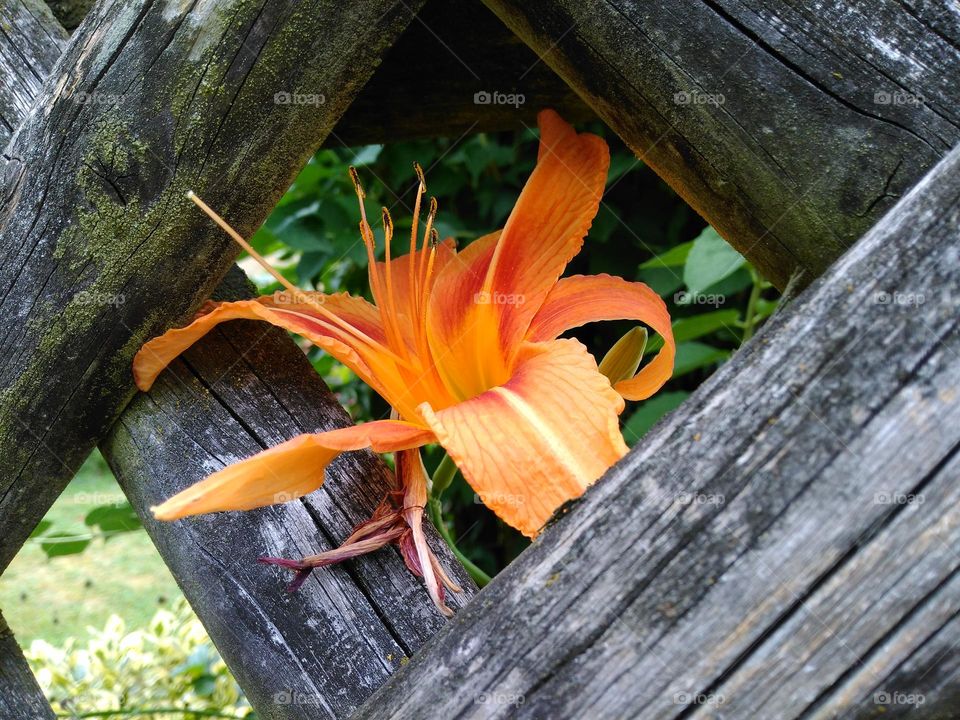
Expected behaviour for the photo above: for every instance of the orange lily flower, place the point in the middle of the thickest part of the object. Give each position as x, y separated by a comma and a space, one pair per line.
464, 346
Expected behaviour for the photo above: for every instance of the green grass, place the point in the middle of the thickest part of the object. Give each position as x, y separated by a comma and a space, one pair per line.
57, 598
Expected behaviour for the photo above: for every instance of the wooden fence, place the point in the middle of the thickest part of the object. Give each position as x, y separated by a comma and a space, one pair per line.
805, 587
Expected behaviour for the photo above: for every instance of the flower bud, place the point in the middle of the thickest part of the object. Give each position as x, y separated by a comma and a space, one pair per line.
623, 359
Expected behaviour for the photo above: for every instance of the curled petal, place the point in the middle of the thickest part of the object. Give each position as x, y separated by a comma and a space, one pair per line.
540, 439
289, 470
581, 299
349, 347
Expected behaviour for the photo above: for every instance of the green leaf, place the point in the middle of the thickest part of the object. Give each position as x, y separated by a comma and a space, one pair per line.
57, 544
663, 280
649, 412
674, 257
695, 355
696, 326
710, 260
41, 528
113, 518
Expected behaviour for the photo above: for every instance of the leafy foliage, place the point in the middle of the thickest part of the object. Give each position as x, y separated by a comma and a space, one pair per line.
169, 665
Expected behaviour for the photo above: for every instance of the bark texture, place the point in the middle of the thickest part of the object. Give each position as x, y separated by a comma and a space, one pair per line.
792, 127
781, 546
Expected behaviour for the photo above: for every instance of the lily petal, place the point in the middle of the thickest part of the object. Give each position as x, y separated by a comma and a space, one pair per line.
581, 299
546, 228
289, 470
298, 317
540, 439
460, 324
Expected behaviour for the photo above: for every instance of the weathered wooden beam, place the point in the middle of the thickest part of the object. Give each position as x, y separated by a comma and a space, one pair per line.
782, 545
98, 255
31, 41
456, 69
317, 653
20, 696
791, 127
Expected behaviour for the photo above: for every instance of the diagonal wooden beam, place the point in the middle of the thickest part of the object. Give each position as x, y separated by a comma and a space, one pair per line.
155, 98
31, 42
791, 127
331, 644
783, 545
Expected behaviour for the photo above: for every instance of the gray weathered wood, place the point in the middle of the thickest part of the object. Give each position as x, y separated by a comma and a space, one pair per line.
328, 646
781, 546
31, 41
791, 127
150, 99
20, 696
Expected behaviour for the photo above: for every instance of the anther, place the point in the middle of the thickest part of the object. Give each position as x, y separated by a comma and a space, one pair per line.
387, 222
419, 171
434, 237
356, 182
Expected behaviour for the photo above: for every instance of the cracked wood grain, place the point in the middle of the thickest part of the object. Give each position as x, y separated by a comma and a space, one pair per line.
31, 42
792, 127
781, 546
100, 250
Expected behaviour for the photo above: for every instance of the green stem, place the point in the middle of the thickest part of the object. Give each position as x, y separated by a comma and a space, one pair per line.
436, 515
750, 317
442, 477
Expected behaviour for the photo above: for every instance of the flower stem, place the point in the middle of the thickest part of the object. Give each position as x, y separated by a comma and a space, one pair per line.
750, 317
442, 478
